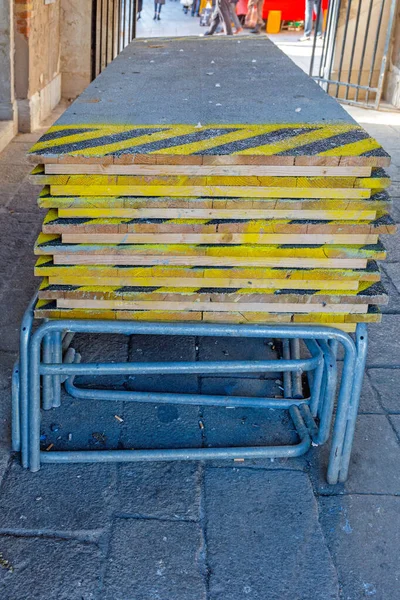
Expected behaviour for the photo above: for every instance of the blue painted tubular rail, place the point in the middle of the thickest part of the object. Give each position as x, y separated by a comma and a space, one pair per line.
38, 377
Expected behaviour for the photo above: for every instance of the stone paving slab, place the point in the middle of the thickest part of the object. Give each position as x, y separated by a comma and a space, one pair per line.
82, 425
386, 382
374, 464
260, 542
364, 541
161, 426
92, 349
159, 490
395, 422
59, 498
49, 569
217, 348
393, 305
167, 564
160, 348
384, 342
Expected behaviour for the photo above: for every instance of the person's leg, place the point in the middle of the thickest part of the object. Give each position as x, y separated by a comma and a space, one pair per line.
225, 16
159, 10
260, 20
308, 18
155, 10
234, 17
214, 21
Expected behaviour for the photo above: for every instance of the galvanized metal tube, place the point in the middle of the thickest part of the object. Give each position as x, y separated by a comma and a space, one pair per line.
67, 340
327, 33
371, 2
306, 332
315, 37
185, 454
297, 386
179, 398
343, 403
378, 32
353, 47
47, 380
57, 358
362, 347
309, 421
15, 409
25, 334
326, 412
34, 401
256, 366
346, 26
332, 39
287, 380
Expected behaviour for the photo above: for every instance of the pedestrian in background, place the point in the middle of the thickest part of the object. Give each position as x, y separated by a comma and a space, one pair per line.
157, 9
234, 16
254, 15
310, 6
221, 15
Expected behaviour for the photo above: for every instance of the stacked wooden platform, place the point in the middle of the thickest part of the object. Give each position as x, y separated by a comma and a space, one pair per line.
277, 221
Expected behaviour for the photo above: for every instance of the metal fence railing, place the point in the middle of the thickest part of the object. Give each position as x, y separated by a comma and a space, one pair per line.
113, 28
350, 60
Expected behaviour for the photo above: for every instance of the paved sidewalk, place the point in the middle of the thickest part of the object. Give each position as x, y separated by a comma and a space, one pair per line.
220, 531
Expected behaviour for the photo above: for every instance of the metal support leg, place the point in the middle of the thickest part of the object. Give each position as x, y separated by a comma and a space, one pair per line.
47, 380
15, 409
362, 347
25, 334
57, 358
287, 380
296, 376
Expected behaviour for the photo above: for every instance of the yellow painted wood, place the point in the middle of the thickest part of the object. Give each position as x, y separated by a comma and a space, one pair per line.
180, 213
206, 171
216, 238
120, 181
101, 259
293, 284
211, 191
212, 306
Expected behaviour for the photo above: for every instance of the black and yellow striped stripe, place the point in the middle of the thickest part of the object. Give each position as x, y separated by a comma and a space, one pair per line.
280, 139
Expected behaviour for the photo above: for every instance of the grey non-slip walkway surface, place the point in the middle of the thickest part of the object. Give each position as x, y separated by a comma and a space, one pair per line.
219, 531
216, 80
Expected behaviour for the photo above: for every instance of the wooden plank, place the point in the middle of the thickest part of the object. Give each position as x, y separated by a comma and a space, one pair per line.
175, 282
224, 160
100, 259
206, 171
120, 181
47, 244
379, 201
45, 266
224, 238
53, 224
213, 306
210, 191
180, 213
367, 293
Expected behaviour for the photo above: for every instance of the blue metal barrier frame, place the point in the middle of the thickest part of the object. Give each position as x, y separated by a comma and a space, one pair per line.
26, 388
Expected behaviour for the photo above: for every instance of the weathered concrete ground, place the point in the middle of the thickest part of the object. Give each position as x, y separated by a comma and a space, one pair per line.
169, 531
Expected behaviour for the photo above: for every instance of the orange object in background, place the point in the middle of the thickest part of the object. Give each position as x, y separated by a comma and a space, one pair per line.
274, 21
